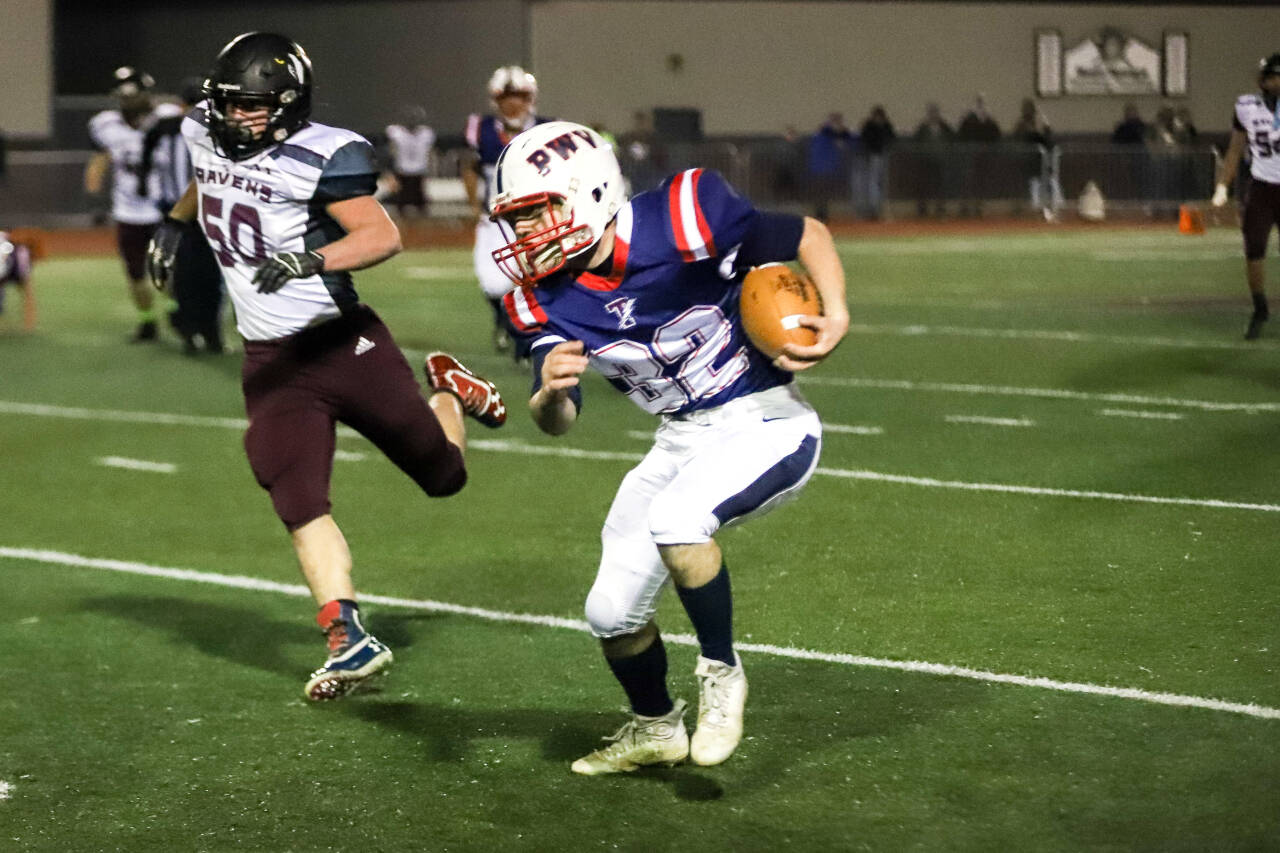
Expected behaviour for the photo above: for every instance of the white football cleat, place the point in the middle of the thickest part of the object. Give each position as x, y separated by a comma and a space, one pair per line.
640, 742
722, 696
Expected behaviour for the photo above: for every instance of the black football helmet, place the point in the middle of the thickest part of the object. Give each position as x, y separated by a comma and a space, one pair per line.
132, 89
1269, 66
258, 70
128, 81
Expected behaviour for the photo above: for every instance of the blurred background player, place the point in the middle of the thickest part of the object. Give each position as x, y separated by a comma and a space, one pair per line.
118, 135
646, 292
288, 223
16, 256
196, 283
514, 93
1255, 124
410, 141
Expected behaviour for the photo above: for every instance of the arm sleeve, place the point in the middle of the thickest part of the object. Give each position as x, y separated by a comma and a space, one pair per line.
1235, 120
349, 173
100, 131
770, 237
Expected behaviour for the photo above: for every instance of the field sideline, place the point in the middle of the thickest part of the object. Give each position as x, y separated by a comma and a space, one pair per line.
1027, 602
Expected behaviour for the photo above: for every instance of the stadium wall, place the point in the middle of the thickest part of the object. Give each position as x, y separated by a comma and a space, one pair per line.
752, 67
757, 67
26, 67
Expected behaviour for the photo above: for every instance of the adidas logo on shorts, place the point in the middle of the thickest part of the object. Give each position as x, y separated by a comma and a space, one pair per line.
364, 345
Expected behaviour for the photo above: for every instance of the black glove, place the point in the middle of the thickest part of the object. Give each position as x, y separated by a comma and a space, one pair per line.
163, 249
283, 266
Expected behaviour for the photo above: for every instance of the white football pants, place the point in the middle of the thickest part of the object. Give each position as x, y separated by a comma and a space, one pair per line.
705, 470
489, 238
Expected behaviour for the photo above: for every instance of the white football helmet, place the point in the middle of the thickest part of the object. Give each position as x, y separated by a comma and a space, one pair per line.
512, 80
557, 187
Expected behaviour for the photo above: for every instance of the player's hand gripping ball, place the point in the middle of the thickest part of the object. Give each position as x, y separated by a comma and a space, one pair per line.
773, 299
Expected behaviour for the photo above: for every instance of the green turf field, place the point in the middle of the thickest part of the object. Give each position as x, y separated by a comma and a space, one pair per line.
1037, 571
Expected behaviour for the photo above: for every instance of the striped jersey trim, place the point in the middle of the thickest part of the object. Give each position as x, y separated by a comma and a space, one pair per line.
688, 225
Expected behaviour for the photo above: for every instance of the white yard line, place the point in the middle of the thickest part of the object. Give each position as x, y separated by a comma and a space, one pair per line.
137, 464
349, 456
509, 446
1130, 413
1059, 336
1043, 393
980, 419
841, 658
852, 429
1042, 491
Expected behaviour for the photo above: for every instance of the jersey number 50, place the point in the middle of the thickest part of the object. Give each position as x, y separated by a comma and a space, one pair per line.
240, 218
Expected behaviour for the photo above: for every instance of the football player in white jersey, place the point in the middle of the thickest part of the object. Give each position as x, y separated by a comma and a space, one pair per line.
411, 141
118, 134
514, 93
1256, 124
287, 206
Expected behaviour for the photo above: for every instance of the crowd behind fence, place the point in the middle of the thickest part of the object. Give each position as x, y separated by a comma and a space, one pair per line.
45, 188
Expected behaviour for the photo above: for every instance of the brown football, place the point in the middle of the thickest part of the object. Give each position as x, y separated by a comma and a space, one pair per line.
773, 297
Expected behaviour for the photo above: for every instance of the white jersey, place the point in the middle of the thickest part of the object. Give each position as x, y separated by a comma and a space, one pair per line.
130, 203
1261, 124
410, 148
274, 201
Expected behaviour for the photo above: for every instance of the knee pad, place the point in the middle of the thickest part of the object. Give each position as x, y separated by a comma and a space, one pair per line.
607, 619
625, 593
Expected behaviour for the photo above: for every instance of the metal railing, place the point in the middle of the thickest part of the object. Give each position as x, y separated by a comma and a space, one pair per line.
45, 188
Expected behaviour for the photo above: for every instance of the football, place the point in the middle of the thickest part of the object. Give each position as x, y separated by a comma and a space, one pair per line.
774, 297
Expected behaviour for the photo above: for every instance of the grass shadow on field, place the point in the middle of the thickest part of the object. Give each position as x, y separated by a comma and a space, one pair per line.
1157, 371
238, 634
449, 733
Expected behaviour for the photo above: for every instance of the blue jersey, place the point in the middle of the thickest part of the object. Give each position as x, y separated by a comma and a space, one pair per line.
487, 136
663, 323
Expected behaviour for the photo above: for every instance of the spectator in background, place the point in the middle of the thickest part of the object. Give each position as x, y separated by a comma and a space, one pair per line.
934, 135
1041, 160
876, 136
196, 286
637, 152
829, 151
1184, 130
979, 131
411, 141
1131, 130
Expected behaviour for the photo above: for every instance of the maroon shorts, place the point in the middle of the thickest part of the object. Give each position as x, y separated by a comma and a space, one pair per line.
132, 242
1261, 213
297, 388
410, 194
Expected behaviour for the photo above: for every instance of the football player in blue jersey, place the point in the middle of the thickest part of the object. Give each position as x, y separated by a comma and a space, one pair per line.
514, 93
646, 292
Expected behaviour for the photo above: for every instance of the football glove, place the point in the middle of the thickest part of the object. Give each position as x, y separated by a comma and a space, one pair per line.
1219, 195
162, 250
283, 266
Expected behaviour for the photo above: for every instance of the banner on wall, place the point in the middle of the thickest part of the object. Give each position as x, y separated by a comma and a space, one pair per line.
1111, 63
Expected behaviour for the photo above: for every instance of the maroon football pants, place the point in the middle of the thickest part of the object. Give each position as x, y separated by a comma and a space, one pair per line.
1261, 213
346, 370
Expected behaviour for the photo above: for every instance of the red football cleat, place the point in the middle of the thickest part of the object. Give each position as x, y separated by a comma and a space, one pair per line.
479, 397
